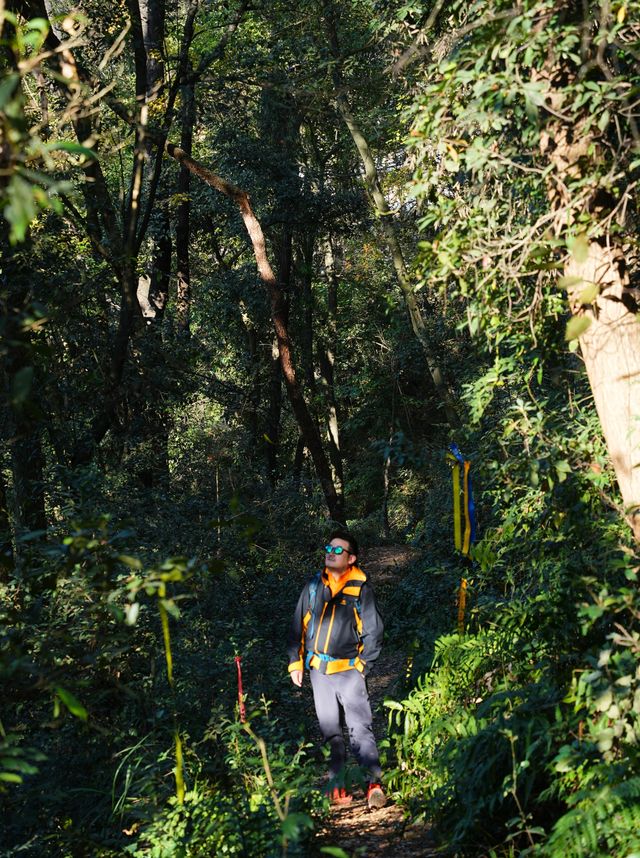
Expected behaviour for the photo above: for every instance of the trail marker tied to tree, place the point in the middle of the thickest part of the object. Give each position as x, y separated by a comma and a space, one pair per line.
463, 508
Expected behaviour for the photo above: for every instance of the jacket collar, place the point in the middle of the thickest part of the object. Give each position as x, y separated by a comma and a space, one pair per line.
353, 573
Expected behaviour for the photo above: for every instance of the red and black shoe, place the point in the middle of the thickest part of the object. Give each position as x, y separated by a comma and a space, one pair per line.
339, 796
375, 797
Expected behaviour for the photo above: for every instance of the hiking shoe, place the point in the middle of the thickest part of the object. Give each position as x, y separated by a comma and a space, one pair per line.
375, 797
339, 795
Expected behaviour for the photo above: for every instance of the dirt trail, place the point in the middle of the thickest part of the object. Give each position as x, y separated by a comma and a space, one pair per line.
357, 830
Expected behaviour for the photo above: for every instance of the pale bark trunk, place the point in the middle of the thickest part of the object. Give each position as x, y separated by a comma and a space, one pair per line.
611, 350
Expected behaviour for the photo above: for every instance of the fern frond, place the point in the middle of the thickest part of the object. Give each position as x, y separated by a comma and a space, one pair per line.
602, 823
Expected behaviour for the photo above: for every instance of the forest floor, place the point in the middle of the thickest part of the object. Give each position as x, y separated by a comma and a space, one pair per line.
354, 828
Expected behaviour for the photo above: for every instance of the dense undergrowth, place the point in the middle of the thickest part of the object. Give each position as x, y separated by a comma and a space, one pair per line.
185, 542
121, 733
522, 737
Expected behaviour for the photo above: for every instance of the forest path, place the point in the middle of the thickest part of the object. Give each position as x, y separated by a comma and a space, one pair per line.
383, 833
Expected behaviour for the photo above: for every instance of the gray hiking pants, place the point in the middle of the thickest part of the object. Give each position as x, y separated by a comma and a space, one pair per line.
347, 691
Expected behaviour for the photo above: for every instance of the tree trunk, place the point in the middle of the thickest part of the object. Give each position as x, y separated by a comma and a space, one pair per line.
153, 288
272, 448
327, 367
598, 286
7, 562
298, 462
152, 16
386, 482
254, 362
305, 271
272, 439
374, 189
610, 347
183, 225
161, 271
19, 379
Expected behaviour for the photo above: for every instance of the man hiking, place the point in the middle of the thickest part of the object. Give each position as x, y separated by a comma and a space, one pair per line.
336, 633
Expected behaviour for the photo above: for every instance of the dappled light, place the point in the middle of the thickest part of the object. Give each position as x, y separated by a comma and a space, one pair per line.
320, 429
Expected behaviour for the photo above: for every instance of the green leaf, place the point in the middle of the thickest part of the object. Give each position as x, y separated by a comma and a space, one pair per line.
590, 293
604, 700
21, 384
72, 703
335, 851
131, 562
9, 777
171, 608
8, 87
294, 823
17, 765
604, 120
579, 247
74, 148
569, 282
576, 327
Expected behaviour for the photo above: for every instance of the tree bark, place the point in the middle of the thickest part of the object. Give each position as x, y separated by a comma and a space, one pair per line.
153, 288
272, 439
381, 207
152, 17
327, 370
7, 562
305, 272
610, 348
597, 274
183, 217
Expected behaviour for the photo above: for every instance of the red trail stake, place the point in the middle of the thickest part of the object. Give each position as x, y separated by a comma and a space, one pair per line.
243, 713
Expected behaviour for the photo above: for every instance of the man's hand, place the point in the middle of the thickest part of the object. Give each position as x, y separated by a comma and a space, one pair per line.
296, 677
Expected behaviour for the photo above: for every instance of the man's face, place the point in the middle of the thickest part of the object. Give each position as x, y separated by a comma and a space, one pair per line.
339, 562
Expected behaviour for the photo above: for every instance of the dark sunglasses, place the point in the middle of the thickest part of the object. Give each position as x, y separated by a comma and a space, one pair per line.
335, 549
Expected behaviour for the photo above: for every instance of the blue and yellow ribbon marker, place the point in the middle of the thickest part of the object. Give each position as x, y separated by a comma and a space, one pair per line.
463, 510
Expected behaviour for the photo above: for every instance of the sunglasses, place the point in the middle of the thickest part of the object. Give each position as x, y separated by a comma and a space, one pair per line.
335, 549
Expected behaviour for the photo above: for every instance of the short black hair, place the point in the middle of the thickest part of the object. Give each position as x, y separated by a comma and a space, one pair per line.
345, 536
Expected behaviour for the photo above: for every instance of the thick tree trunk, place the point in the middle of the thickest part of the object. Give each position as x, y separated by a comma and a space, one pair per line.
610, 347
153, 288
161, 271
597, 278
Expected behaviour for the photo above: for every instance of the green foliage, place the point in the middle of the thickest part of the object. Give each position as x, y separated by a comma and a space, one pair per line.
120, 729
264, 811
28, 186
